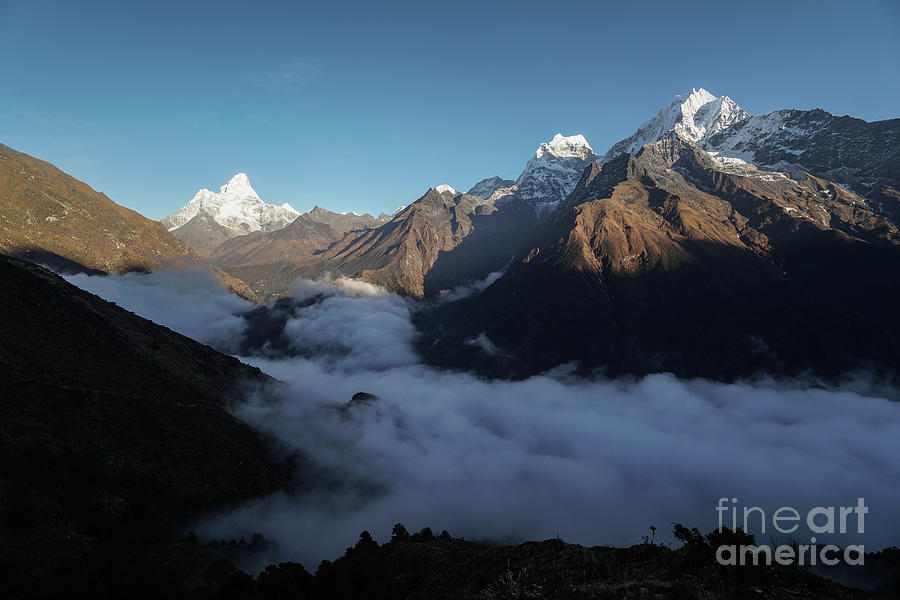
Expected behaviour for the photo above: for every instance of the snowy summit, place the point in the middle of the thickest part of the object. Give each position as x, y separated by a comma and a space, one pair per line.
553, 172
236, 206
695, 116
731, 135
444, 188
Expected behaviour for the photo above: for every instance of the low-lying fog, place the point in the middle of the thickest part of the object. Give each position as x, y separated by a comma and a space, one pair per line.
595, 462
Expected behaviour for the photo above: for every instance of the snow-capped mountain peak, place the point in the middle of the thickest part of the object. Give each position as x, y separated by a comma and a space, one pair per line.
694, 116
236, 206
444, 188
486, 187
565, 147
238, 187
554, 170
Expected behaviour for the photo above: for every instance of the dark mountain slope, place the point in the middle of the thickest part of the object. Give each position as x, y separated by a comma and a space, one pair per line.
667, 262
113, 430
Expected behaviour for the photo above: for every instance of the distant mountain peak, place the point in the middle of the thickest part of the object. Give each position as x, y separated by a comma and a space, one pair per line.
486, 187
236, 206
443, 188
565, 147
239, 187
552, 173
239, 180
694, 116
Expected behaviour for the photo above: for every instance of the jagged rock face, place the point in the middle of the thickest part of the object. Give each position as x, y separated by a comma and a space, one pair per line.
44, 211
864, 156
553, 171
693, 117
486, 187
672, 261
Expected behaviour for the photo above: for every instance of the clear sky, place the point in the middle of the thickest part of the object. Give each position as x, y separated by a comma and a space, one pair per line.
364, 105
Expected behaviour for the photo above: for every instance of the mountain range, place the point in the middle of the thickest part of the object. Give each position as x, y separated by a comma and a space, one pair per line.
445, 238
211, 218
708, 243
696, 245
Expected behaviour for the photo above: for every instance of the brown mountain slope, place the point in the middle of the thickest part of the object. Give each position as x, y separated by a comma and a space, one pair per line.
270, 261
398, 255
48, 215
203, 233
113, 430
42, 207
297, 243
668, 261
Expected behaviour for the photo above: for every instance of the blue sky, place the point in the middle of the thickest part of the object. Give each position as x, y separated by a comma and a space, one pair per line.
364, 105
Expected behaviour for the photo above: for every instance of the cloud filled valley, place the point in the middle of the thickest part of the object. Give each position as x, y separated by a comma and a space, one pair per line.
592, 461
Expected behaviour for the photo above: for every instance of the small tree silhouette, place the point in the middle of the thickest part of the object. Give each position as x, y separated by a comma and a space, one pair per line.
366, 543
399, 534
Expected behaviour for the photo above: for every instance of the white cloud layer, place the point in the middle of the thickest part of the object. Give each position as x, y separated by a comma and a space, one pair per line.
596, 462
189, 301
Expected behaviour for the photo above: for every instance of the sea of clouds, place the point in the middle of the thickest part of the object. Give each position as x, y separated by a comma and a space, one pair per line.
591, 461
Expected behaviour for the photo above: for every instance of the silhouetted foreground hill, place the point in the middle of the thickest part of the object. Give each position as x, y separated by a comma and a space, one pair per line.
113, 431
424, 566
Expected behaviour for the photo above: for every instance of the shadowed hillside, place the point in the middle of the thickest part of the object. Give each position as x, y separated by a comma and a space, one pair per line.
113, 431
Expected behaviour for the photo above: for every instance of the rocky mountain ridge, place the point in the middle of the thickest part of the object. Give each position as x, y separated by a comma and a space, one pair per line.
860, 155
670, 260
